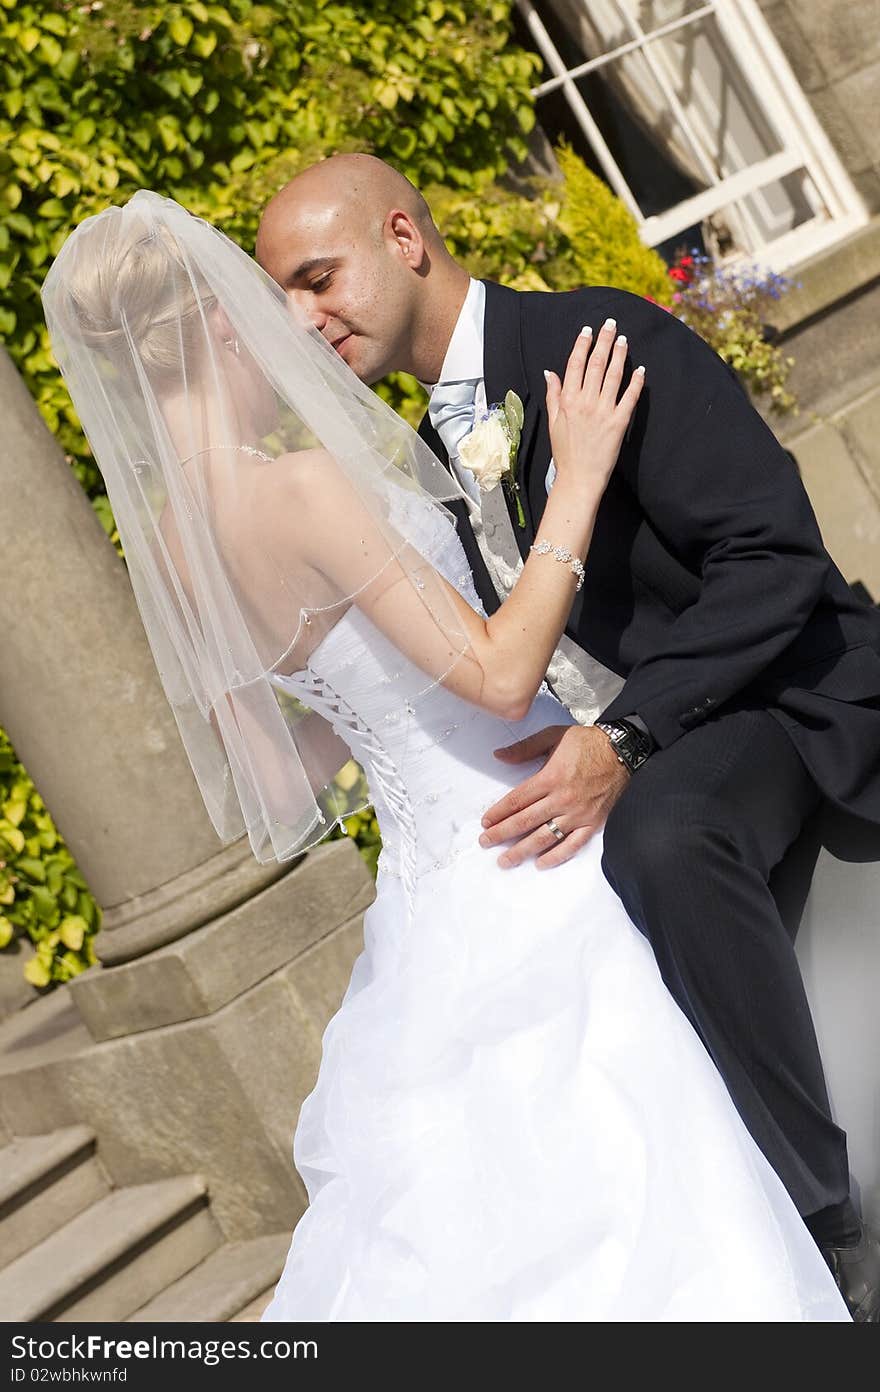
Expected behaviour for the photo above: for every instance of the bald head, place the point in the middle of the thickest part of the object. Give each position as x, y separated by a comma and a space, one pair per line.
352, 241
343, 186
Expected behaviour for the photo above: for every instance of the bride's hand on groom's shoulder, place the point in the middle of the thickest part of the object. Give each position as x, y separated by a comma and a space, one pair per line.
587, 413
576, 788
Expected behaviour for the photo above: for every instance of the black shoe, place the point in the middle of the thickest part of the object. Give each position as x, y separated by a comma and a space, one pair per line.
857, 1273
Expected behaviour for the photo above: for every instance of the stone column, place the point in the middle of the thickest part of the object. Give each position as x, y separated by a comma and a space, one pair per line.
191, 1048
83, 704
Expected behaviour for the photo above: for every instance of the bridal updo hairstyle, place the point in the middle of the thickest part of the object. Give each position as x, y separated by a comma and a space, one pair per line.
134, 285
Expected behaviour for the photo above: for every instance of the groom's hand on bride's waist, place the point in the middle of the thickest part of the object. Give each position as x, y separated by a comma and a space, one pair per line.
575, 790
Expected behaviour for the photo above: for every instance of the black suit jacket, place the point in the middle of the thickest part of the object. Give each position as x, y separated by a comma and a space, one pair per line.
707, 581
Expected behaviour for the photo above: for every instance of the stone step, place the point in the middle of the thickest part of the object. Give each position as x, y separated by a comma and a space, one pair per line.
253, 1311
223, 1285
115, 1256
44, 1182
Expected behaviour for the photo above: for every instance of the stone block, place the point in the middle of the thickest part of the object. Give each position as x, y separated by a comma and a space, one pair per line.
851, 266
803, 58
839, 125
44, 1182
223, 1286
859, 95
218, 1095
844, 34
867, 184
174, 907
861, 424
847, 511
15, 990
321, 975
833, 359
118, 1253
200, 972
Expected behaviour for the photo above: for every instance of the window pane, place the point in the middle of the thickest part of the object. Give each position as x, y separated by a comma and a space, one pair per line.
654, 154
726, 119
678, 115
601, 26
765, 215
653, 14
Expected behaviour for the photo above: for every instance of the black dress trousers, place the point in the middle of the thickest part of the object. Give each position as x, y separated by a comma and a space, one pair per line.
711, 848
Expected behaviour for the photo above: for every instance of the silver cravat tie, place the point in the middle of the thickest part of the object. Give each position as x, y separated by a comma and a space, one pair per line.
451, 412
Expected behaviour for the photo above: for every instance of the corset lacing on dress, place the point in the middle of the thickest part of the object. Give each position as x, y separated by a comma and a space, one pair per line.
324, 700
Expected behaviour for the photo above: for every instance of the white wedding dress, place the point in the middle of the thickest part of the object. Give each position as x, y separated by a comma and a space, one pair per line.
512, 1119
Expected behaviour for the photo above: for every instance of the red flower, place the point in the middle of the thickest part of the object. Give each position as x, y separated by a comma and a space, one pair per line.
676, 273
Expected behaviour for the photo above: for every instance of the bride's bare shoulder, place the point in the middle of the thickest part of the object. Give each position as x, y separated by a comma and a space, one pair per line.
309, 493
308, 477
298, 468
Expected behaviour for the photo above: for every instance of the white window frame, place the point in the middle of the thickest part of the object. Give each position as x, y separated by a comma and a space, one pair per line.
774, 88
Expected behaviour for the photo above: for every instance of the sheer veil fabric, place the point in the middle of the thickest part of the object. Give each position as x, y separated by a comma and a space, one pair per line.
214, 409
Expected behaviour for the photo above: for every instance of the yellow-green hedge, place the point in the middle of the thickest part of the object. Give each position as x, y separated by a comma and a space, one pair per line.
42, 894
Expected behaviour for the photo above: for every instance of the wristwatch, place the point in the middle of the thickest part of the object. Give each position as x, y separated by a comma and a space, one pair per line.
631, 745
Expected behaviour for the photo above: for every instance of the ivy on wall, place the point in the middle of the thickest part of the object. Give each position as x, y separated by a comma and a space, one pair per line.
216, 106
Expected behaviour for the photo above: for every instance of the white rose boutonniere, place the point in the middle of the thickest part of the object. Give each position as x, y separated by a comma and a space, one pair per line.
489, 450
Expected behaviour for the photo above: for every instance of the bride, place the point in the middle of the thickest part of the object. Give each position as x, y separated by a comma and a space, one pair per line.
512, 1119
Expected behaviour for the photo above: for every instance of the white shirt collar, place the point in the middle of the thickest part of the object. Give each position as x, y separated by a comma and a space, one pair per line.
464, 356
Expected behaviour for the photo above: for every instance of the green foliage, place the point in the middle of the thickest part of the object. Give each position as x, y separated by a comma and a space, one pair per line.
217, 106
564, 234
365, 830
42, 894
761, 364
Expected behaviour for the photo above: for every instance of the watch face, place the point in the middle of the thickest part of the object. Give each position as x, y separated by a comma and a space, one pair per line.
628, 744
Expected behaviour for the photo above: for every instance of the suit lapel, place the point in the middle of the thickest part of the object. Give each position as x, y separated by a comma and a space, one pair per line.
504, 371
461, 512
505, 359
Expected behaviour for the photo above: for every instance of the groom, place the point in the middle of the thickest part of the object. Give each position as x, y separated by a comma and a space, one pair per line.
745, 728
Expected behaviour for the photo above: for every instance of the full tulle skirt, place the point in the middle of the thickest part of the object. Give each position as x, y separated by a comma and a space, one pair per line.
513, 1120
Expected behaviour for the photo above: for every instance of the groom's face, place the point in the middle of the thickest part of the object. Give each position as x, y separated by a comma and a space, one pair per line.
348, 276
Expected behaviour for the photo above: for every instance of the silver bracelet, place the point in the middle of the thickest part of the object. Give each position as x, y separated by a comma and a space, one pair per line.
562, 553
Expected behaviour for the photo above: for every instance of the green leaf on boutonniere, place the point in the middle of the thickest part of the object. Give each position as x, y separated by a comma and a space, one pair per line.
513, 409
514, 415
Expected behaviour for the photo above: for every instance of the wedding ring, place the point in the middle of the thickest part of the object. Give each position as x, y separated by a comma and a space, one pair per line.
560, 835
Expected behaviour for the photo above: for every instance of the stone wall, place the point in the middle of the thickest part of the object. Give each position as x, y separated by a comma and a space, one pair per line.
828, 326
833, 47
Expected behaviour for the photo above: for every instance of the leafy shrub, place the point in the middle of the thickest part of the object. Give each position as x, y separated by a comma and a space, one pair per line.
42, 894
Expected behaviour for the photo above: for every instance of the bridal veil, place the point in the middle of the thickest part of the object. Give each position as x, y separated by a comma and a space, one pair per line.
200, 387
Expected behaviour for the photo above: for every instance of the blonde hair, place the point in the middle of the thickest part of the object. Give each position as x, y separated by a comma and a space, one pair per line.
139, 287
